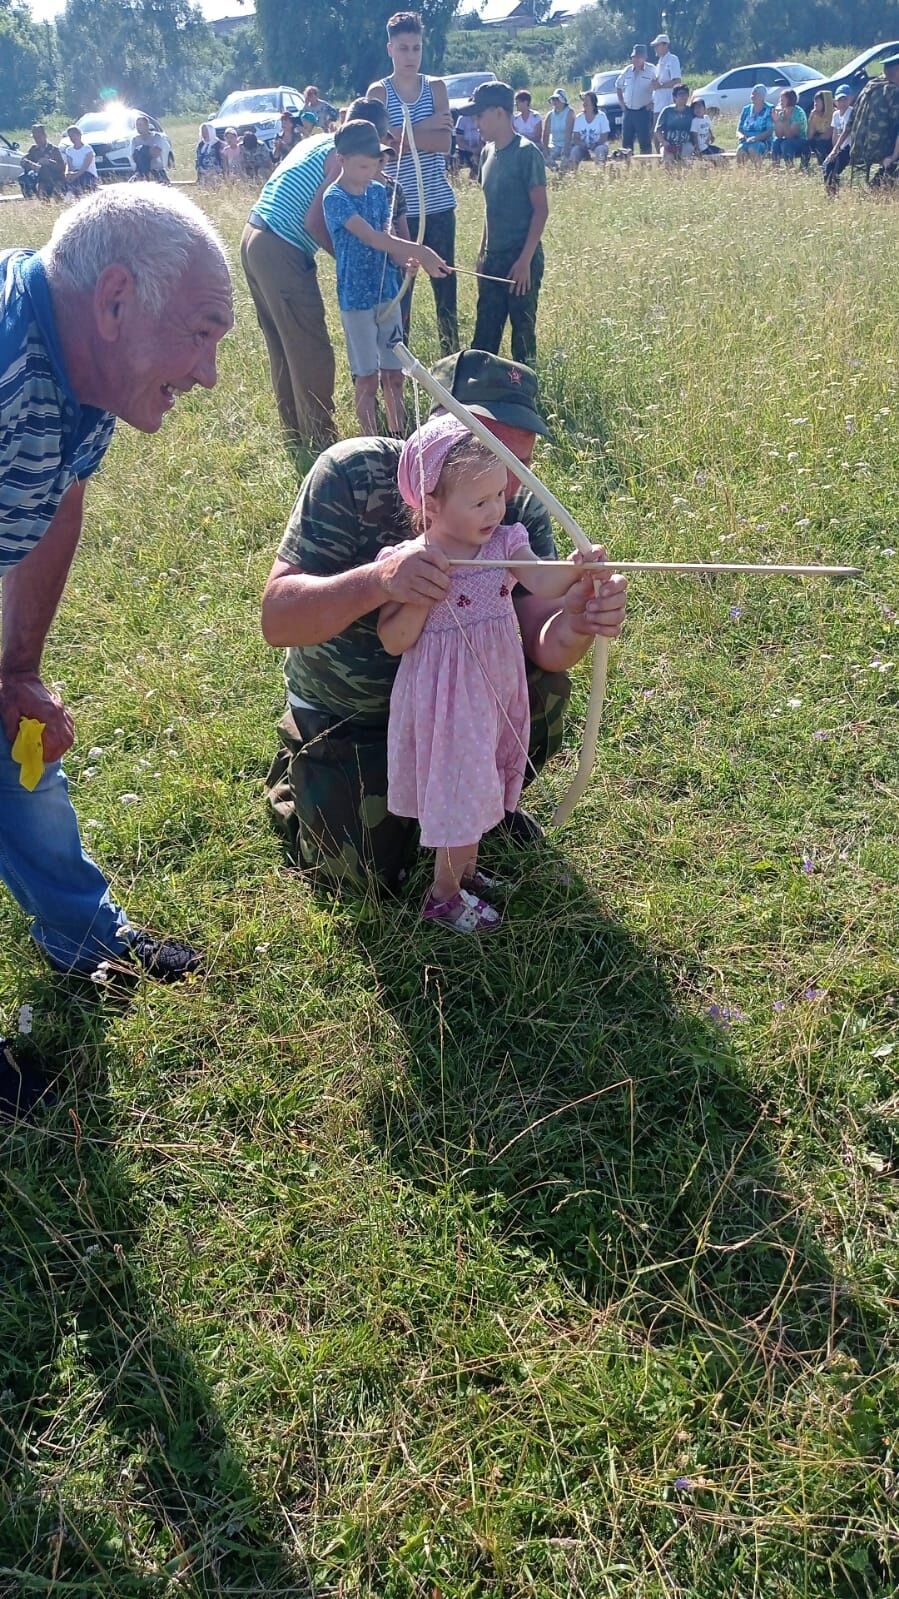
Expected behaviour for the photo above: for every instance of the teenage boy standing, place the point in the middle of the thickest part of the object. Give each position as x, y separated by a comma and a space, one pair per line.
512, 175
428, 106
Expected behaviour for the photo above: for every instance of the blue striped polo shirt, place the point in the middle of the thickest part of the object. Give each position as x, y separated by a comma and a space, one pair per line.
47, 440
290, 190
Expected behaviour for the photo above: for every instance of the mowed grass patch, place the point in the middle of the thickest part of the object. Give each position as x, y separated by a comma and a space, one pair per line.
376, 1263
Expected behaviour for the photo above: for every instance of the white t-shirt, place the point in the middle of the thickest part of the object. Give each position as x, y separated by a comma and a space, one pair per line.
667, 71
591, 132
80, 160
702, 127
838, 121
527, 126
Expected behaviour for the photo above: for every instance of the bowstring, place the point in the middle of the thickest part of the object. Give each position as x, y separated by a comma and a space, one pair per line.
416, 399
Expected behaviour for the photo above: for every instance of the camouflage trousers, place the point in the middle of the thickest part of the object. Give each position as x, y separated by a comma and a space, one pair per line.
327, 788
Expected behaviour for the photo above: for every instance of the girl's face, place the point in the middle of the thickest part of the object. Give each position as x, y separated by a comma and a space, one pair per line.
473, 506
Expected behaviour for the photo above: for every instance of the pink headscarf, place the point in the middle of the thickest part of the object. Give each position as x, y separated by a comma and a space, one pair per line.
424, 455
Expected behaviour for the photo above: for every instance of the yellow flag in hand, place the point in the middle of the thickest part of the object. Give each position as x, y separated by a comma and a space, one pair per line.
28, 750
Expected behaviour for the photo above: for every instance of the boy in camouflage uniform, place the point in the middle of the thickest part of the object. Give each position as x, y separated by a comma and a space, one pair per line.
328, 783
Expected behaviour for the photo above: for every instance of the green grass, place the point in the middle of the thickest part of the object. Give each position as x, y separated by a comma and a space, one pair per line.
376, 1263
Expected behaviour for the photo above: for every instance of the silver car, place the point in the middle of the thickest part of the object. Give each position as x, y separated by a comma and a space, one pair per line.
730, 92
258, 111
109, 133
10, 161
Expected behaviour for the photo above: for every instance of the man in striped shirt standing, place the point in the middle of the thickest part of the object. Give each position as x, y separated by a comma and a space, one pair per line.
284, 231
119, 314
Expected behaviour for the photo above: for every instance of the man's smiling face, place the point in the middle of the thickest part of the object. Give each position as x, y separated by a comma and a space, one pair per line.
153, 359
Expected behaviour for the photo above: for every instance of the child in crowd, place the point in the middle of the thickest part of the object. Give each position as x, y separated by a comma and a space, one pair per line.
459, 723
232, 155
468, 144
526, 120
674, 128
701, 129
512, 175
357, 210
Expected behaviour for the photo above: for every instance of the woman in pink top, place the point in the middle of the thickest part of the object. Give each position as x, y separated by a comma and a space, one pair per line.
459, 720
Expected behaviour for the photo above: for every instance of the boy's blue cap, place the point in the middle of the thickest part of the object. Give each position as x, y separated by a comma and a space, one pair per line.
844, 89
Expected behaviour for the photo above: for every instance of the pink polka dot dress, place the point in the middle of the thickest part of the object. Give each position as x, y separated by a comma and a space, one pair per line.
459, 718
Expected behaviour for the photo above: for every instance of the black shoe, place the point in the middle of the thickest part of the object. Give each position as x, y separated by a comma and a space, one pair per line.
164, 958
520, 829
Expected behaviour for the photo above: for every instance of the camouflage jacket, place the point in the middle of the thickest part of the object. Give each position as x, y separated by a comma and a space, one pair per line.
875, 123
348, 509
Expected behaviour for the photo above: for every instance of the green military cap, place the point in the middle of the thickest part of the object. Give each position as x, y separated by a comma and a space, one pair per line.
504, 391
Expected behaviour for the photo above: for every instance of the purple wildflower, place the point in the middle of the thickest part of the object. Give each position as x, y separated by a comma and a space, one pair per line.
725, 1014
821, 733
736, 611
811, 993
683, 1485
808, 865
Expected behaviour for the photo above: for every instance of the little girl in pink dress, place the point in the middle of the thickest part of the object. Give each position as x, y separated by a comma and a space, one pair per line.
459, 723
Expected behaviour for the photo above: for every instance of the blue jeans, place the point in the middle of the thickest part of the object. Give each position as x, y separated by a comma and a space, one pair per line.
74, 919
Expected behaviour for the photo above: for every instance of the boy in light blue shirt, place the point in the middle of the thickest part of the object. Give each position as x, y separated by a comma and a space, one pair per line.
369, 258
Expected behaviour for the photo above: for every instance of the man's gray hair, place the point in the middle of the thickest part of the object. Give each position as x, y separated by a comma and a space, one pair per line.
151, 231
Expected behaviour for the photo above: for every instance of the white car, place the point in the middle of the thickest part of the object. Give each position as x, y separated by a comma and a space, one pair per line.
258, 111
729, 93
460, 87
109, 133
10, 161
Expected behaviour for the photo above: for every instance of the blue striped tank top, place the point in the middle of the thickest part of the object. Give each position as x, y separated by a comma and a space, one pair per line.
290, 190
438, 194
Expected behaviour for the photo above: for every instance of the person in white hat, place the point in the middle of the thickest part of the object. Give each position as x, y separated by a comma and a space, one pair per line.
667, 74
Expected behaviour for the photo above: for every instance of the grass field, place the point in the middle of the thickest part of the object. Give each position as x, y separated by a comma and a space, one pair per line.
380, 1264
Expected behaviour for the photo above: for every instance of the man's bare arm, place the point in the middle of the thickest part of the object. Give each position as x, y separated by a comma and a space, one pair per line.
300, 609
31, 594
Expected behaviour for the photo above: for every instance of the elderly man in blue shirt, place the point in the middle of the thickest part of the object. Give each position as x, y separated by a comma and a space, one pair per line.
117, 316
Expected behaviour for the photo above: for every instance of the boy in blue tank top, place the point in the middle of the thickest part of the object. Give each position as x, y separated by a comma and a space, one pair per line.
369, 259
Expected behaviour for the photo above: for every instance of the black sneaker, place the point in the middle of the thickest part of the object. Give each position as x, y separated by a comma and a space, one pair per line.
164, 958
520, 829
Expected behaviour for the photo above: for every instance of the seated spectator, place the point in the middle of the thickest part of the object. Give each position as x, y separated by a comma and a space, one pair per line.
526, 121
148, 154
255, 157
232, 155
701, 129
674, 129
289, 136
841, 129
209, 157
589, 133
469, 144
44, 167
325, 115
557, 129
790, 129
820, 126
81, 164
755, 129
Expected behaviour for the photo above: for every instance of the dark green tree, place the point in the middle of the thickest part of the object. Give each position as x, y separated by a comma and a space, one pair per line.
23, 66
156, 54
339, 44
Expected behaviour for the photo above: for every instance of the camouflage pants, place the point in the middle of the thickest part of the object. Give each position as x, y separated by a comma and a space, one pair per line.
327, 788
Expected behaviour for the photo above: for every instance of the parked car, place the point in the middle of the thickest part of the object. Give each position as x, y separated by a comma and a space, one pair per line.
729, 93
109, 133
856, 72
461, 86
603, 86
257, 111
10, 161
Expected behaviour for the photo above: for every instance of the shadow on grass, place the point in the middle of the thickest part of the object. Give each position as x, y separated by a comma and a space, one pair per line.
557, 1071
117, 1474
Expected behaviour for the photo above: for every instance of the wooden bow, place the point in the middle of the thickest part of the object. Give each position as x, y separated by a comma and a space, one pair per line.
587, 757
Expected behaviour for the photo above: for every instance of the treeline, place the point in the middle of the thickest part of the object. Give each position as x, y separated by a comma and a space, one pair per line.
161, 54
